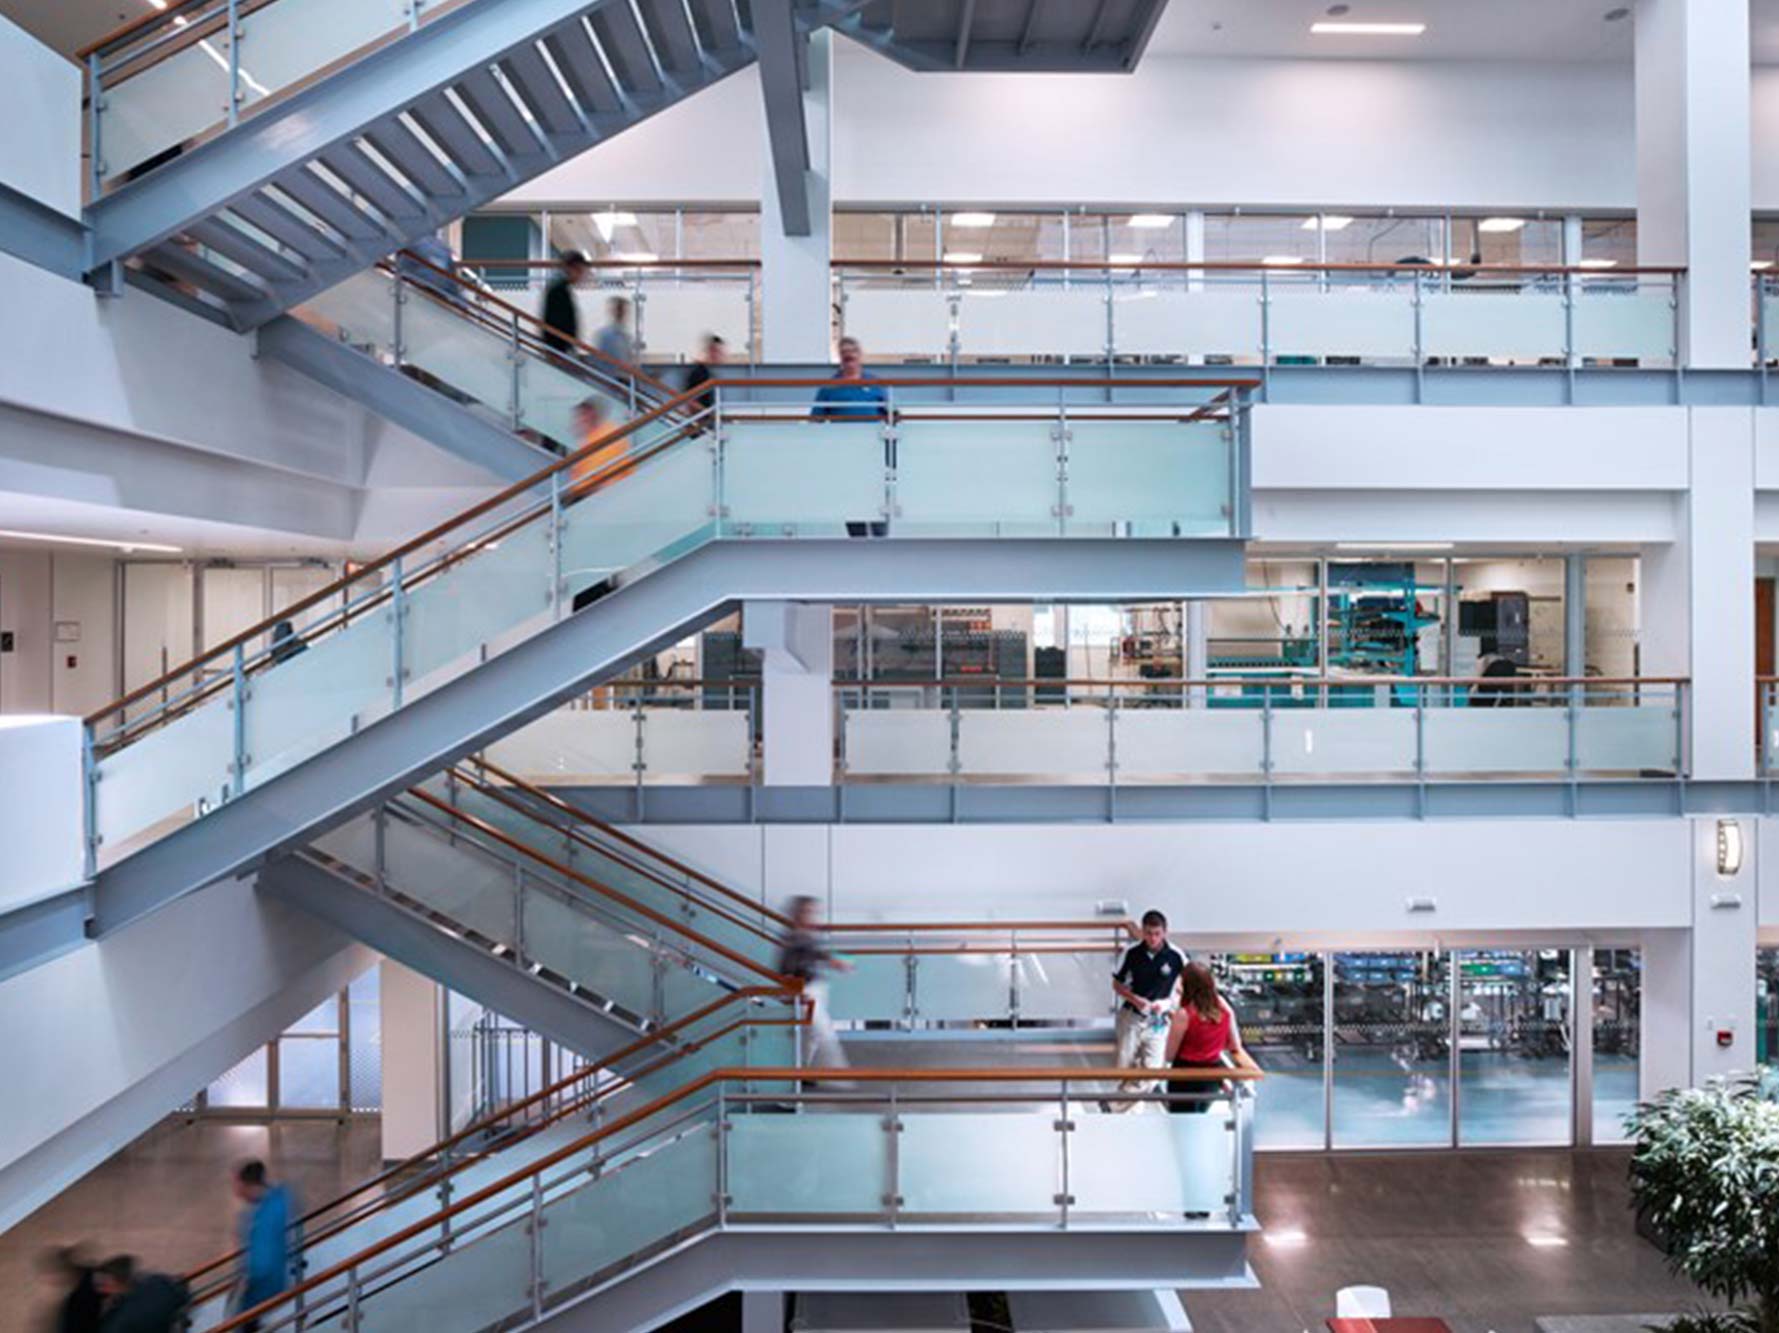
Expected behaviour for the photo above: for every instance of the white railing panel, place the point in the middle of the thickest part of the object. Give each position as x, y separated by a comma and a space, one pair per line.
1066, 985
173, 100
675, 318
898, 322
1071, 741
1632, 322
1635, 738
1164, 1164
477, 602
687, 742
981, 1162
963, 986
361, 309
665, 498
1517, 325
898, 742
1168, 742
876, 988
1164, 478
1058, 321
1156, 322
302, 705
1369, 322
168, 770
807, 1164
1343, 740
571, 745
818, 474
969, 475
1496, 740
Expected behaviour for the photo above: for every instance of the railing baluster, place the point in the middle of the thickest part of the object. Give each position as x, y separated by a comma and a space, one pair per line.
95, 119
398, 614
234, 106
238, 702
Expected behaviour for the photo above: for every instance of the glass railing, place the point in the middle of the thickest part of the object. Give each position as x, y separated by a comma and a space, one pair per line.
439, 606
194, 67
1410, 313
947, 1150
1262, 729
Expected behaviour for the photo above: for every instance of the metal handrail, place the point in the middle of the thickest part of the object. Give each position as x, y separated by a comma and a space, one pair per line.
533, 1171
1248, 266
1205, 682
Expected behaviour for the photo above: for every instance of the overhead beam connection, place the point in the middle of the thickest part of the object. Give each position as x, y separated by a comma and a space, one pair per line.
781, 85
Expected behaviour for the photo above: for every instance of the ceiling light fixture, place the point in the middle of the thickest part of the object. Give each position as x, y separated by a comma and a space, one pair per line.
972, 219
1150, 221
1325, 29
1328, 222
156, 547
963, 257
1760, 265
1283, 261
1393, 546
1729, 847
609, 221
637, 257
1598, 263
1124, 260
1498, 225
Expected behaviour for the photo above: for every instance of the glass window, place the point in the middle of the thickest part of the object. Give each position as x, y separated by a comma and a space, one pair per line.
309, 1071
1513, 1046
1618, 993
1766, 992
1149, 238
1278, 1002
614, 233
243, 1087
1509, 241
364, 1002
1381, 240
867, 236
727, 235
1392, 1056
1253, 237
1613, 239
1766, 245
1004, 237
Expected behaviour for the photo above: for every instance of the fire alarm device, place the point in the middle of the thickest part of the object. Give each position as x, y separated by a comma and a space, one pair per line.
1726, 1037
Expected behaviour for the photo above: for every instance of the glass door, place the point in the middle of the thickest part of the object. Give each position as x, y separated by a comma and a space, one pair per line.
1278, 1001
1514, 1038
1391, 1054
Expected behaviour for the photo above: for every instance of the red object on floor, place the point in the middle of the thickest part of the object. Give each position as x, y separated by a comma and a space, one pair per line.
1407, 1325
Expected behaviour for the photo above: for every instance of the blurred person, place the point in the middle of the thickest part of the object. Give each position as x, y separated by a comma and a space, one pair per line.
1146, 984
138, 1302
79, 1310
614, 339
562, 317
806, 958
264, 1236
851, 395
285, 642
431, 263
595, 424
1201, 1034
703, 371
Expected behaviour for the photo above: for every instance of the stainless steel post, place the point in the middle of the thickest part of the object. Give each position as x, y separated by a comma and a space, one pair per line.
234, 17
398, 613
238, 702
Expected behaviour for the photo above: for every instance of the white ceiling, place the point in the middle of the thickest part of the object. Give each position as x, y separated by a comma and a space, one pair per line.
1456, 29
193, 537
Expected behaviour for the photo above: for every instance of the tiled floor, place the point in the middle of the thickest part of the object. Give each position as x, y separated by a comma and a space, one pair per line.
167, 1198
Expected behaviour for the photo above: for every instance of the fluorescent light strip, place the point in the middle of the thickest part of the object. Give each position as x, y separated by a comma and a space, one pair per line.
89, 541
1283, 261
1497, 225
1393, 546
971, 219
962, 257
1327, 29
1124, 260
1598, 263
1328, 222
1150, 221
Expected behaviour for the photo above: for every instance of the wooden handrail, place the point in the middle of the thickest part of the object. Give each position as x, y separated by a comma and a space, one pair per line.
996, 382
151, 19
1245, 266
1008, 1074
413, 544
1308, 682
488, 1122
612, 263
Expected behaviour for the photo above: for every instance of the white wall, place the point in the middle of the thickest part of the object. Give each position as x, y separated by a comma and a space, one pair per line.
25, 613
42, 819
40, 108
106, 1039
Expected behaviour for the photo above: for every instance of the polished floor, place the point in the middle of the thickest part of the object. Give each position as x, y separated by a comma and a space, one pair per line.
1488, 1240
167, 1199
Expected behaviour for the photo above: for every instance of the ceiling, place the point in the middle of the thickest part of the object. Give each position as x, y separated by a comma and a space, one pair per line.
1456, 29
48, 515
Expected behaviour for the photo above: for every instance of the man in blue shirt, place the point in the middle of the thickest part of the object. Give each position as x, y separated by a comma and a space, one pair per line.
852, 396
265, 1237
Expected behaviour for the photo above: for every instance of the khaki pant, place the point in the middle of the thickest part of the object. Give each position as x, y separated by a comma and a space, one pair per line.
1141, 1045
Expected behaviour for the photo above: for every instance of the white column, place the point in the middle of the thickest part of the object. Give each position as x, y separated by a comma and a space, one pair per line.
1698, 595
1698, 1004
1575, 593
762, 1312
1694, 166
797, 639
795, 282
413, 1103
1198, 648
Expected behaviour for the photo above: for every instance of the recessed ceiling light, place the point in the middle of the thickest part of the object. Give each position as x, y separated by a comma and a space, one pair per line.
1500, 224
90, 541
1324, 29
1124, 259
1760, 265
963, 257
1328, 222
1280, 261
609, 221
972, 219
1598, 263
1393, 546
637, 257
1150, 221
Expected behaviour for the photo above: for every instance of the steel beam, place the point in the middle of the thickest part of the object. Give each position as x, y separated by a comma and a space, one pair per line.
397, 398
776, 40
38, 932
38, 234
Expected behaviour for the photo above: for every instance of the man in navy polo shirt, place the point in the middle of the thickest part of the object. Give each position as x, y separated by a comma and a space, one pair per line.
1147, 984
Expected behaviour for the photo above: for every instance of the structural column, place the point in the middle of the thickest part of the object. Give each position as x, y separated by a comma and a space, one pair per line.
795, 279
797, 700
412, 1014
1694, 167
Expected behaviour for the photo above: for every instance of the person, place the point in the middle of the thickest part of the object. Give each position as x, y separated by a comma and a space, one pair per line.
562, 318
430, 263
81, 1306
703, 371
285, 643
1202, 1032
137, 1302
1145, 983
851, 396
613, 339
264, 1237
594, 424
804, 957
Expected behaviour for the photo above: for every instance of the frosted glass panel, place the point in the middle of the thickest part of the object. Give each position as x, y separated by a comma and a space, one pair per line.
1053, 320
999, 475
993, 1162
1171, 1164
1342, 321
474, 1286
1066, 985
1160, 742
619, 1215
899, 741
898, 323
473, 890
1191, 323
1627, 739
361, 309
1072, 741
1358, 740
809, 1164
675, 319
1496, 740
877, 987
166, 771
571, 745
970, 985
452, 615
1519, 325
820, 473
693, 743
171, 101
666, 500
1164, 478
1628, 323
283, 43
587, 951
308, 702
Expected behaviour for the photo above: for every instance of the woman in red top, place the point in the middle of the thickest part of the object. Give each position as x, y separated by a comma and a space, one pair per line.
1203, 1031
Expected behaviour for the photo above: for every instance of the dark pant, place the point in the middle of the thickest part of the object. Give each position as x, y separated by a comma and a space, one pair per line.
1193, 1098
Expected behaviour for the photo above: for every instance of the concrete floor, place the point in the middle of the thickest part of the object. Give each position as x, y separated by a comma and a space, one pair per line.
1488, 1240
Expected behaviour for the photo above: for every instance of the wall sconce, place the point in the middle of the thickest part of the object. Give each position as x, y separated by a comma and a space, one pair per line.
1729, 847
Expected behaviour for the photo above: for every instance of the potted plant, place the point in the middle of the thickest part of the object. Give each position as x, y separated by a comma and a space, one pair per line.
1705, 1173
